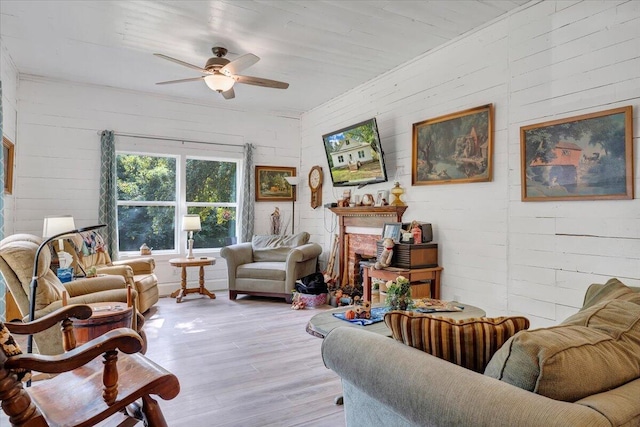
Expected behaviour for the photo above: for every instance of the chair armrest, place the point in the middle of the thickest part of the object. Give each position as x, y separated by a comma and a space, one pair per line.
304, 252
241, 253
76, 311
144, 265
94, 284
123, 339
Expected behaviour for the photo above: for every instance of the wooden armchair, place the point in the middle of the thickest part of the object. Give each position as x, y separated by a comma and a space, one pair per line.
88, 389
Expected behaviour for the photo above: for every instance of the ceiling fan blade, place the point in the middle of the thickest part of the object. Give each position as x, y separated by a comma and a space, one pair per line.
259, 81
186, 64
192, 79
239, 64
229, 94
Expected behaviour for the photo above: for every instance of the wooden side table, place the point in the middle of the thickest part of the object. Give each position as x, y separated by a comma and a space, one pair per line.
178, 294
412, 274
106, 316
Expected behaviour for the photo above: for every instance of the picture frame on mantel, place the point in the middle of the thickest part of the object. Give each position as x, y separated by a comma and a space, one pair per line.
456, 148
271, 185
8, 157
587, 157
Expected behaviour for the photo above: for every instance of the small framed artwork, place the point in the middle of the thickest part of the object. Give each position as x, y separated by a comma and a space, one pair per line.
456, 148
392, 230
8, 153
271, 185
587, 157
382, 198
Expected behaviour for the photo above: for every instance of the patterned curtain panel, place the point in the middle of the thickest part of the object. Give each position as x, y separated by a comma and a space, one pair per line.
3, 303
249, 195
107, 211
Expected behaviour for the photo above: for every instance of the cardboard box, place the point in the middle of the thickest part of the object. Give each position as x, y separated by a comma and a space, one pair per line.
417, 255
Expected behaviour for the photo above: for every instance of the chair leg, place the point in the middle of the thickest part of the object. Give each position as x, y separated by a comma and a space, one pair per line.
152, 412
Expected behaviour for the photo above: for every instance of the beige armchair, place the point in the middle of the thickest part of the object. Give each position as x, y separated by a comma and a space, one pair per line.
89, 250
17, 253
270, 265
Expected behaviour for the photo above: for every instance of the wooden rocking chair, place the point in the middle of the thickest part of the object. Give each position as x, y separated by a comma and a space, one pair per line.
87, 390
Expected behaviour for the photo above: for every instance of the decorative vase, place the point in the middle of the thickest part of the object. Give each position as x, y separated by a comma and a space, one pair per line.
399, 294
397, 191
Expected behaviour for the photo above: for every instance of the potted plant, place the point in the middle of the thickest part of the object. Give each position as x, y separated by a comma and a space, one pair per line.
399, 294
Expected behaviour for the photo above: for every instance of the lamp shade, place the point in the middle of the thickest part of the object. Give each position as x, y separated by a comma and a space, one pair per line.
191, 222
292, 180
219, 82
54, 225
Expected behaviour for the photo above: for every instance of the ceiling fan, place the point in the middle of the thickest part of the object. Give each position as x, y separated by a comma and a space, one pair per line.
221, 74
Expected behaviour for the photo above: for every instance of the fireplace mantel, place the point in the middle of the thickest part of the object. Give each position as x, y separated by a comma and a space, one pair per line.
361, 216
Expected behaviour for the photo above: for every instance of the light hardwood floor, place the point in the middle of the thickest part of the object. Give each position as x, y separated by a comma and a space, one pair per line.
245, 363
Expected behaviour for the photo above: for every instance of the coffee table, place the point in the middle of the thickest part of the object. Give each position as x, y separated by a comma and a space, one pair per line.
322, 323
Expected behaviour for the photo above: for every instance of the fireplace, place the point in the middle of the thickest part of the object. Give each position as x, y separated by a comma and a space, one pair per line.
359, 230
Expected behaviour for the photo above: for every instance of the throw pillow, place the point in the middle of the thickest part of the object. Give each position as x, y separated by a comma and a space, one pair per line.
10, 348
597, 349
613, 289
469, 342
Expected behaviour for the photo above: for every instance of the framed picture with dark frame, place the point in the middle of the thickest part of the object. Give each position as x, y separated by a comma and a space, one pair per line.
392, 230
8, 153
271, 185
456, 148
587, 157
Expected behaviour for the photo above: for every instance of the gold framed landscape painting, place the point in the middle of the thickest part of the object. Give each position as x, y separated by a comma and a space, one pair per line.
271, 185
455, 148
587, 157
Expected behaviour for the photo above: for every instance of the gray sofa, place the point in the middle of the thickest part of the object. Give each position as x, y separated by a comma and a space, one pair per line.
387, 383
269, 265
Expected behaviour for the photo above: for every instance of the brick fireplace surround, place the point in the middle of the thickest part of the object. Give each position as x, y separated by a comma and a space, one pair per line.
359, 229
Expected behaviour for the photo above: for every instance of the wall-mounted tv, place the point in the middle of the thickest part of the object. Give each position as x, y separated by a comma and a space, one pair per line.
355, 155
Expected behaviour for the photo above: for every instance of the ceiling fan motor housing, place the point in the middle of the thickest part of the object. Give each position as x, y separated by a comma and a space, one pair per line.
214, 64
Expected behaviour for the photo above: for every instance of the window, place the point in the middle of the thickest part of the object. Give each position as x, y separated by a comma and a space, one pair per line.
151, 203
341, 159
361, 154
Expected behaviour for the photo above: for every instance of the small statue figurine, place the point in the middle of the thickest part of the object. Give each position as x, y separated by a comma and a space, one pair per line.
384, 260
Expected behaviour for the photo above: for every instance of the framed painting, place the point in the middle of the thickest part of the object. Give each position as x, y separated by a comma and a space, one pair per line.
587, 157
455, 148
271, 185
8, 153
392, 230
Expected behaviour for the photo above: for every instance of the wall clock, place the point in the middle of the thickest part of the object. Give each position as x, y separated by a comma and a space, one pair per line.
315, 183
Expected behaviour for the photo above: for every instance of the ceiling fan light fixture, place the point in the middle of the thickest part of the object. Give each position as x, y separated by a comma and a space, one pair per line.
219, 82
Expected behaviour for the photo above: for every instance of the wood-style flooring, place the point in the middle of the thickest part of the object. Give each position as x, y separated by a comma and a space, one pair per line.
244, 363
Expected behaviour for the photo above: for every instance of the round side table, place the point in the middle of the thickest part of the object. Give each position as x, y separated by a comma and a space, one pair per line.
178, 294
106, 316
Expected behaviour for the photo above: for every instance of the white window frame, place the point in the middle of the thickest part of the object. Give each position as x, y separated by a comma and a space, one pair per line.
180, 237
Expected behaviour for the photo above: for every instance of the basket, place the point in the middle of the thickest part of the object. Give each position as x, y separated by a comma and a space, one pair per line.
310, 300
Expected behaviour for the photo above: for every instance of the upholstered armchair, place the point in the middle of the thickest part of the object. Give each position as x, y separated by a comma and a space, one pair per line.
88, 249
17, 253
270, 265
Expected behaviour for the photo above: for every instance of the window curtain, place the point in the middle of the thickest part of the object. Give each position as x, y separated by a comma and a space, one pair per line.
107, 210
3, 303
248, 198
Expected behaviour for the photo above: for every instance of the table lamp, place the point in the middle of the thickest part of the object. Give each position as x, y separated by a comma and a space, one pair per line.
191, 223
293, 182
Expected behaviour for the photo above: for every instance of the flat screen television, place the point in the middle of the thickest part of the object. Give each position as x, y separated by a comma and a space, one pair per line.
355, 155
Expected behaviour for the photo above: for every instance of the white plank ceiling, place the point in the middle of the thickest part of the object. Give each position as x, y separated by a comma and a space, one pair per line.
322, 48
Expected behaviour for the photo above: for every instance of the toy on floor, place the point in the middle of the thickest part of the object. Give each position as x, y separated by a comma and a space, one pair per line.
298, 305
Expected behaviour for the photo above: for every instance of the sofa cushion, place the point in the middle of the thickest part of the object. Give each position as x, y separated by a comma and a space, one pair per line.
613, 289
262, 271
274, 247
469, 342
593, 351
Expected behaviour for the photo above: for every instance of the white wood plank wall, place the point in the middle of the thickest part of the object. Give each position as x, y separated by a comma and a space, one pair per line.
547, 60
59, 156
